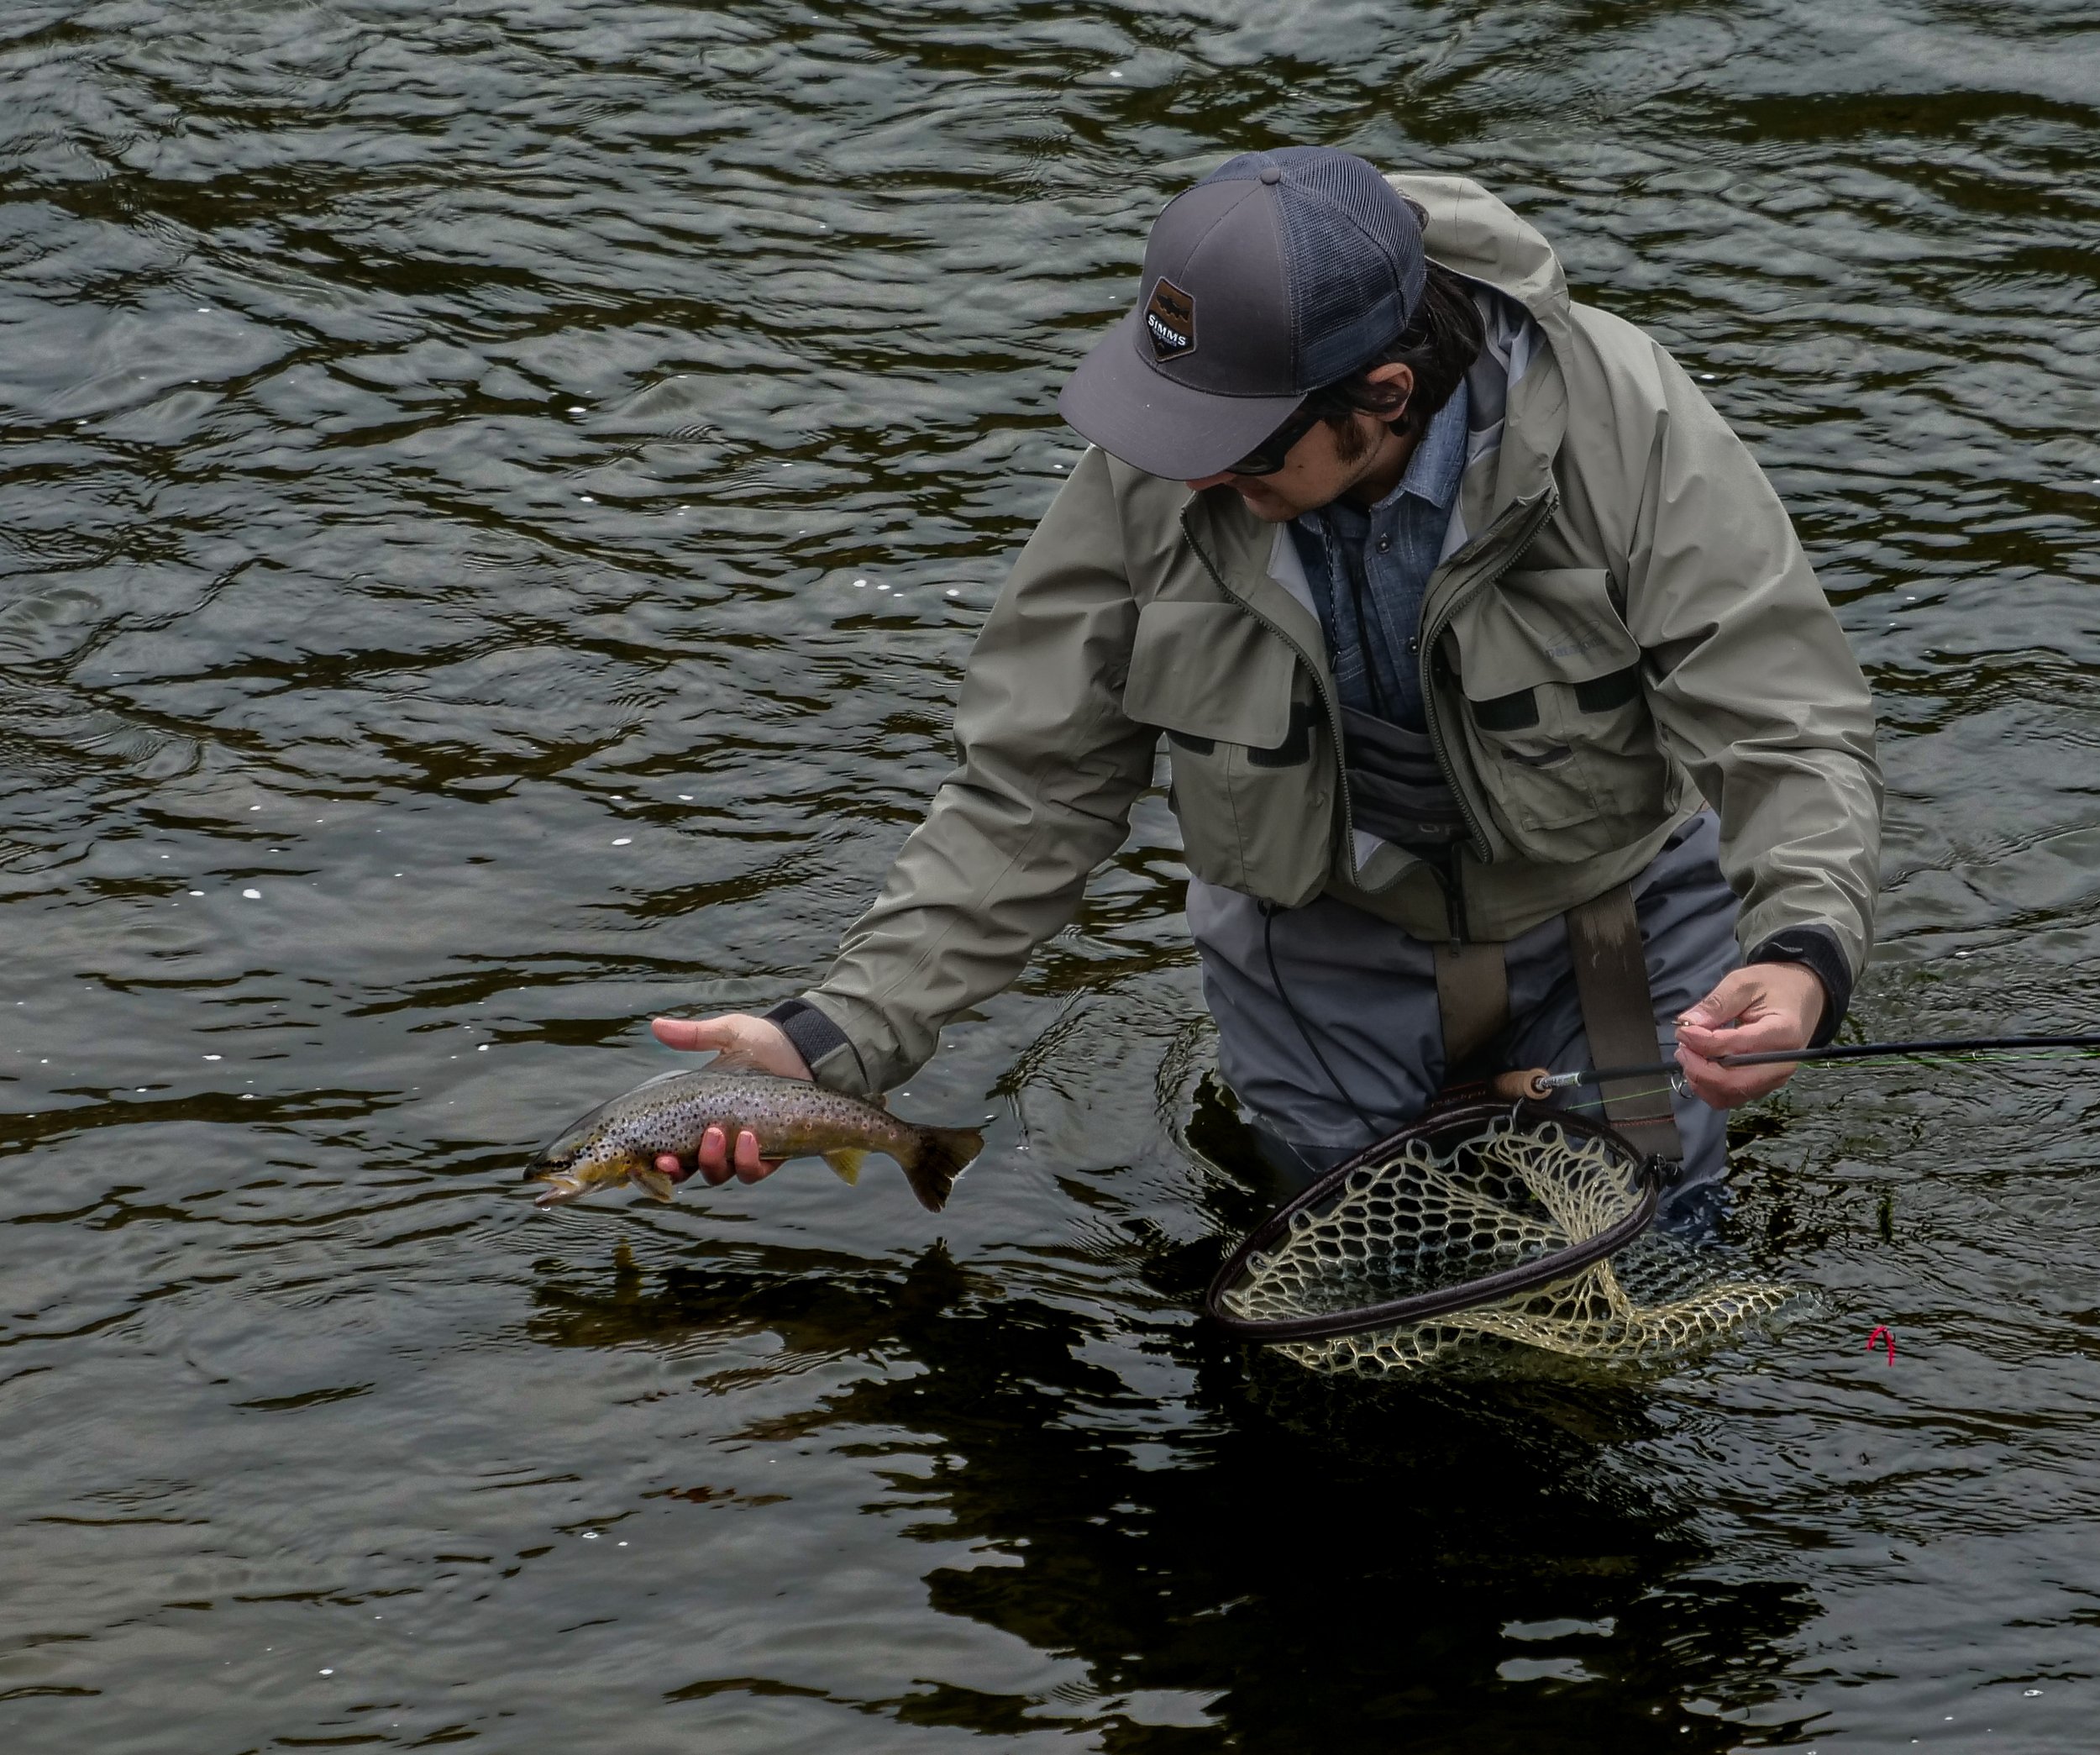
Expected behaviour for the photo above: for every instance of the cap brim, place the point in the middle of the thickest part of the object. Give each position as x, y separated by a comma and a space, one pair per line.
1158, 424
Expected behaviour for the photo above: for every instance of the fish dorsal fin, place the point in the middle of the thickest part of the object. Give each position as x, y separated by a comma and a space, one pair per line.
847, 1161
881, 1100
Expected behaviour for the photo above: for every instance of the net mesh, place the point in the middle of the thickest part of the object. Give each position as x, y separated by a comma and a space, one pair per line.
1448, 1207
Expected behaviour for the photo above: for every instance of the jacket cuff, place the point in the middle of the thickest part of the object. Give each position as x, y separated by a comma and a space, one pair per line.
1816, 949
814, 1035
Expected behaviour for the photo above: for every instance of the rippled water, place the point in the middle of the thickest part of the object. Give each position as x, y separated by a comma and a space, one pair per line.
496, 498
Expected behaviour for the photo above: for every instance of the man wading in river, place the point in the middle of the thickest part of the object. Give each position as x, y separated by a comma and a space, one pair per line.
1506, 716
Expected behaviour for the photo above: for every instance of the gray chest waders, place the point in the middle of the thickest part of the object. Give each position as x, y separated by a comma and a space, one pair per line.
1397, 793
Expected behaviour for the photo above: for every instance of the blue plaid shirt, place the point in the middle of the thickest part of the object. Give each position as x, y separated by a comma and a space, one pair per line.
1368, 569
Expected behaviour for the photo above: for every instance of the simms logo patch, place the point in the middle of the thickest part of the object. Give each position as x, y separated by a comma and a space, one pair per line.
1170, 319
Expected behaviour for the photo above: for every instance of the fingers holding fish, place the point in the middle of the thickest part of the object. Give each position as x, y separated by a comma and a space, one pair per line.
681, 1124
715, 1164
740, 1044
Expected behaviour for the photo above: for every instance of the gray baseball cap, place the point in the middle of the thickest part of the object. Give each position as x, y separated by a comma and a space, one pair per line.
1279, 273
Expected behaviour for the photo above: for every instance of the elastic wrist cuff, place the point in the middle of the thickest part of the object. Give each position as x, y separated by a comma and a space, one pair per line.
1816, 949
813, 1034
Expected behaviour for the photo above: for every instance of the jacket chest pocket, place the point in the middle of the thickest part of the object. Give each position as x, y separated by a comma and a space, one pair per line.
1246, 739
1556, 713
1208, 674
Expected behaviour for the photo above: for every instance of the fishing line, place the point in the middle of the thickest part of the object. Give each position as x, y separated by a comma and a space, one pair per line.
1659, 1090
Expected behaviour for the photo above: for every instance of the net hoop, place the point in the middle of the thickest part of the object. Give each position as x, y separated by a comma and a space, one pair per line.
1652, 1172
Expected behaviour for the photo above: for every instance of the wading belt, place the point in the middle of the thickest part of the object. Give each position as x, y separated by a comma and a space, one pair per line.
1611, 980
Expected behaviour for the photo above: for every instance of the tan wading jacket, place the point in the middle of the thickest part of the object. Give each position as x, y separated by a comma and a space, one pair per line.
1633, 629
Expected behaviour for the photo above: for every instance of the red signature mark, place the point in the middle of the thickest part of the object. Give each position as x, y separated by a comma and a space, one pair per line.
1878, 1338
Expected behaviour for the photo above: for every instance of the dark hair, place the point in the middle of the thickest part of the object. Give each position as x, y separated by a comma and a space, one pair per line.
1441, 340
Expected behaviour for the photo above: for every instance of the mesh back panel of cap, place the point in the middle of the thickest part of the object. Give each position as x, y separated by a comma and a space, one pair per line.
1353, 253
1439, 1213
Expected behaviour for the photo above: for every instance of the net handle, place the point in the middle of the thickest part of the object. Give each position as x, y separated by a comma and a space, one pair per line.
1468, 1294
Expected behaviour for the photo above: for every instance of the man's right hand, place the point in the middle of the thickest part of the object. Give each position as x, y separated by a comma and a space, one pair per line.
756, 1043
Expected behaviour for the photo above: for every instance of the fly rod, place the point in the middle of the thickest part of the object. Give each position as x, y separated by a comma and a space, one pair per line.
1538, 1083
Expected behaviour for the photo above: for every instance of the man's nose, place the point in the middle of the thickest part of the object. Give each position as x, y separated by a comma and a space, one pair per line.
1197, 487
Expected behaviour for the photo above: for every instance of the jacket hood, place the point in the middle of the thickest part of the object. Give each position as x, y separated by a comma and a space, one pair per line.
1472, 233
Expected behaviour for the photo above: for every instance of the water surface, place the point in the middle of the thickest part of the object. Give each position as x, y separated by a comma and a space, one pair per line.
495, 501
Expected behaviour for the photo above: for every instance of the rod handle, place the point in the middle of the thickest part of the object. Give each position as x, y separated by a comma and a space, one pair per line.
1516, 1087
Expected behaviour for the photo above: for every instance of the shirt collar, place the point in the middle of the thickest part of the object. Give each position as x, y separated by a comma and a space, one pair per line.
1439, 459
1433, 472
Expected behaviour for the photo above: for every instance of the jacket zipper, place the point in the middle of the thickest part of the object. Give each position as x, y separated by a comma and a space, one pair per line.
1312, 669
1453, 893
1430, 635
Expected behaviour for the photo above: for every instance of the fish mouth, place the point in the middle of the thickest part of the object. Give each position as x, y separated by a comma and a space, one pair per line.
560, 1189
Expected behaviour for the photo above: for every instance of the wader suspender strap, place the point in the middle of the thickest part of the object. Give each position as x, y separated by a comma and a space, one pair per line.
1472, 1001
1611, 980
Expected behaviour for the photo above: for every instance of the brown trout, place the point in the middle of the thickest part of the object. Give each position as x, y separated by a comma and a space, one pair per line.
621, 1141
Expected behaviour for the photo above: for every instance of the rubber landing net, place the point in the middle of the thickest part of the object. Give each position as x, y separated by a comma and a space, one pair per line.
1475, 1227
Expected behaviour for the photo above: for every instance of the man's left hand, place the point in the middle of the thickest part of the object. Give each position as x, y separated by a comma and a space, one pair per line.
1764, 1005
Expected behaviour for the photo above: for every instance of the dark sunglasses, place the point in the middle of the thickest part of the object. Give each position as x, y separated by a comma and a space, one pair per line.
1274, 452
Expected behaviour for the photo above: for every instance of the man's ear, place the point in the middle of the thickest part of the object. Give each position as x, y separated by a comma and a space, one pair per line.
1399, 379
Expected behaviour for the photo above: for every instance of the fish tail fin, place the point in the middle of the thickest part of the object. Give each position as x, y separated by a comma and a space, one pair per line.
653, 1183
846, 1160
942, 1154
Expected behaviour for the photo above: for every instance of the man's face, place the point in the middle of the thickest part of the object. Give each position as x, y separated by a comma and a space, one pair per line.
1314, 474
1316, 471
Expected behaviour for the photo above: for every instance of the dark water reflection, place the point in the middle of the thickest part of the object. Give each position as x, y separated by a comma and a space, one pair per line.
513, 486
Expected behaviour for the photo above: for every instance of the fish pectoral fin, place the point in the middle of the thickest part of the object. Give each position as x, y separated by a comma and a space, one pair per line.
654, 1182
847, 1161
